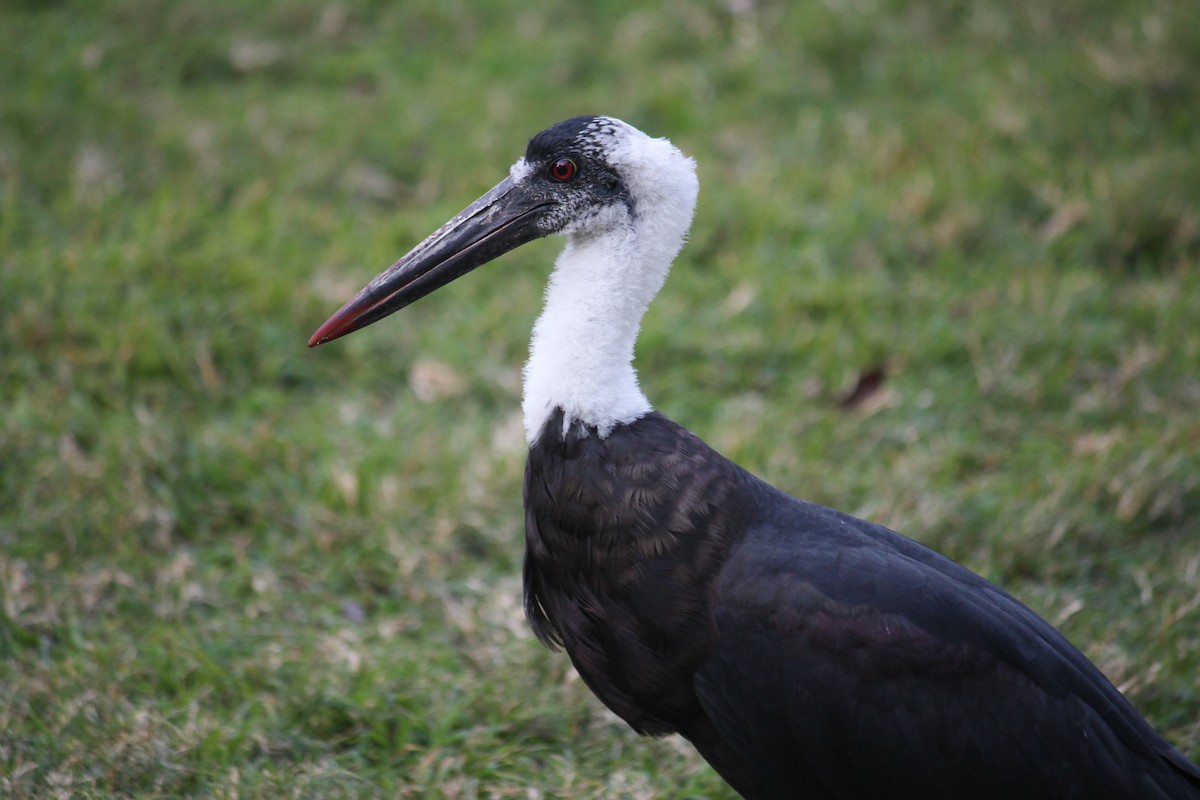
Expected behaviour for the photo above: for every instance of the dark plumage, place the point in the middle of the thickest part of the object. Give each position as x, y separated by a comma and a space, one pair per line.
807, 653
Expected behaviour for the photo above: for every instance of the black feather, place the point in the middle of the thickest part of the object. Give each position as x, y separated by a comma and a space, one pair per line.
807, 653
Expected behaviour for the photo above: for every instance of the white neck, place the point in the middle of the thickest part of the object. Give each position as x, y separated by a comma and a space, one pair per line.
581, 356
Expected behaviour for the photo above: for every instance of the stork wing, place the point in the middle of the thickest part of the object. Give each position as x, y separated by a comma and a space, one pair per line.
856, 663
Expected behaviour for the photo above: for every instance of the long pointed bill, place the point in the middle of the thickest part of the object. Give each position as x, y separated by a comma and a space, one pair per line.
504, 218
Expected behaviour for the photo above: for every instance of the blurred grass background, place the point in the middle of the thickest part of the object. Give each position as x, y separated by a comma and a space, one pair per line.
234, 567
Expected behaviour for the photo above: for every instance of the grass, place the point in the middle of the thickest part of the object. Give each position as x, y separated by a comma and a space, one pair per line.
233, 567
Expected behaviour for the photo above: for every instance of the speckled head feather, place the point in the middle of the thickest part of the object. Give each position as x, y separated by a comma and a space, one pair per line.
578, 133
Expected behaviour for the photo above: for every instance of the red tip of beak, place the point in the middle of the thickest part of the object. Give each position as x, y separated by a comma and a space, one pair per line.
348, 319
335, 327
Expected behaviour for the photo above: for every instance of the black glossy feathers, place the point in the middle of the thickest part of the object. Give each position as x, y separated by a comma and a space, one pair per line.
807, 653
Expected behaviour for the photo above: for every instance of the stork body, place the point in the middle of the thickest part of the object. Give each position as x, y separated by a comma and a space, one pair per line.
804, 652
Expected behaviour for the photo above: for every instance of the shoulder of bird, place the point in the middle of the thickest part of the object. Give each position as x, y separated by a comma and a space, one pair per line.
625, 538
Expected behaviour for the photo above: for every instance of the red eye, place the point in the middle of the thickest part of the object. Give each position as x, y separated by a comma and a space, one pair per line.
563, 170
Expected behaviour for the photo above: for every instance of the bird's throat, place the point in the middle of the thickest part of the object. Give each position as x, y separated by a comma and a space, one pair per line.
581, 356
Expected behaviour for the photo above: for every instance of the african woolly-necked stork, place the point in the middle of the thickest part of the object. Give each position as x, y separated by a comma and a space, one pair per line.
804, 652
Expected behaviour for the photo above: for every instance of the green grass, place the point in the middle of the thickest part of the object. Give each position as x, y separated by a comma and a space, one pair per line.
234, 567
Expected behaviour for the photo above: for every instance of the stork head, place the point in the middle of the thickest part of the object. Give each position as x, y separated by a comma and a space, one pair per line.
583, 177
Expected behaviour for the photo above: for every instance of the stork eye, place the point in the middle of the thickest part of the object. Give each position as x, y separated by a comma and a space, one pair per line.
563, 170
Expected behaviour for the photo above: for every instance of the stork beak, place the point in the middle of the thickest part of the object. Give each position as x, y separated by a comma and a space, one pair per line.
503, 219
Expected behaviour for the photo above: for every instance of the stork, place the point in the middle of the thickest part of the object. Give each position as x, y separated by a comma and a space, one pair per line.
805, 653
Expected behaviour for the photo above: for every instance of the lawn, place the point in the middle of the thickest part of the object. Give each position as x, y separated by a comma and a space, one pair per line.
234, 567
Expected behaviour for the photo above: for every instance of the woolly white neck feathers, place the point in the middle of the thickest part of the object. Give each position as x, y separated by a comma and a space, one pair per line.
615, 261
